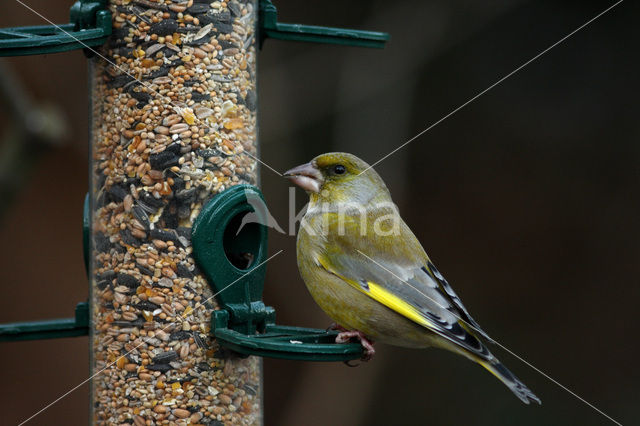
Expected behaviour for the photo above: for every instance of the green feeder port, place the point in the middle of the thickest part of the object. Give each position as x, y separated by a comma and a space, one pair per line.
232, 252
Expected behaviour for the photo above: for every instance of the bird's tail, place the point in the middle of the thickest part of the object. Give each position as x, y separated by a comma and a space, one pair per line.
509, 379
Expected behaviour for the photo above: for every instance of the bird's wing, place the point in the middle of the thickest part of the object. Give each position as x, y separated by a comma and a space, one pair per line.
396, 272
454, 299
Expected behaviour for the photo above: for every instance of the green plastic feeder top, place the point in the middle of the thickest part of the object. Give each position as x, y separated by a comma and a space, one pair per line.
90, 26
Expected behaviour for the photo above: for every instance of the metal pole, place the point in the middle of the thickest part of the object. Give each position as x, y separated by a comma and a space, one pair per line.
173, 118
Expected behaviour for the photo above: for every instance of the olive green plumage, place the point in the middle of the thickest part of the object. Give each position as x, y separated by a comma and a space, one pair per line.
367, 270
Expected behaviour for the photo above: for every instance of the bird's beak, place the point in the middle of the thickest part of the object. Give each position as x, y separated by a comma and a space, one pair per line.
306, 176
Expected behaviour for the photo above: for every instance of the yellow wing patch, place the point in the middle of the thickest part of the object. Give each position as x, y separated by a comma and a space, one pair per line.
381, 295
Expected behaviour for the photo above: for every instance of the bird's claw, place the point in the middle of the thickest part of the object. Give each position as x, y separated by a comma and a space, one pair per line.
346, 336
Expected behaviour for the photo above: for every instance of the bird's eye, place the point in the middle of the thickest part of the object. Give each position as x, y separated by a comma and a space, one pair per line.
339, 169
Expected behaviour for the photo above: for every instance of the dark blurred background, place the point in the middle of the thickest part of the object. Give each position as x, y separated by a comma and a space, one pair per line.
527, 200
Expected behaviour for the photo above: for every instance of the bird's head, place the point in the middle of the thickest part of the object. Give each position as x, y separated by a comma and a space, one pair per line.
339, 177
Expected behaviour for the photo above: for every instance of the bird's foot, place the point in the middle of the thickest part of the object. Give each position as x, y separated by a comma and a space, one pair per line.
336, 326
369, 351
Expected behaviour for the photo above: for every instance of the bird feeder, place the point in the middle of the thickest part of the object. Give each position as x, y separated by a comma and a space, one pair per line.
175, 313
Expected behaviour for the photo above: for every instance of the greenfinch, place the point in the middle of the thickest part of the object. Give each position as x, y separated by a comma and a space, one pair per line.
367, 270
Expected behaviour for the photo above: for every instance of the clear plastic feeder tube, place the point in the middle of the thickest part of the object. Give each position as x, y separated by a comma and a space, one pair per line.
173, 122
